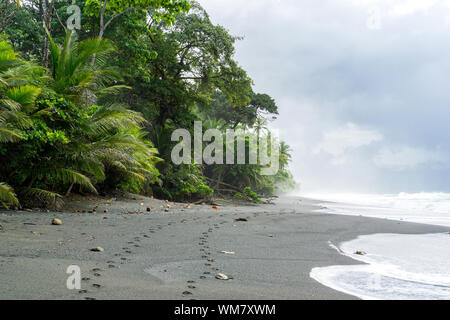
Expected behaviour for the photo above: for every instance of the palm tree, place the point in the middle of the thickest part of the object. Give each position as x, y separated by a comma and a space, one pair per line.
107, 139
284, 155
16, 95
80, 70
90, 143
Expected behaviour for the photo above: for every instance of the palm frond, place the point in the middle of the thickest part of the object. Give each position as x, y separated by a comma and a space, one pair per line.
50, 198
69, 176
9, 135
7, 195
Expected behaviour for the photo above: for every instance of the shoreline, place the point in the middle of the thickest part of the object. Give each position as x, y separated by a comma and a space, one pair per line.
175, 252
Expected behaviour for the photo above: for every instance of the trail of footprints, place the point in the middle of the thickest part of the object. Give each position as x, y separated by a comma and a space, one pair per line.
206, 256
120, 258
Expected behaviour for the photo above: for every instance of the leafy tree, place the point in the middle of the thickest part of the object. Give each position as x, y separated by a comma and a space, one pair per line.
246, 115
108, 10
194, 59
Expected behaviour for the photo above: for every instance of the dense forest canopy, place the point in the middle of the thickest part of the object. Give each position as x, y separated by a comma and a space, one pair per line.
92, 110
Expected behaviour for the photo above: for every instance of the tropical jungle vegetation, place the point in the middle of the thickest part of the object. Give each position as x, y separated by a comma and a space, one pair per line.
93, 110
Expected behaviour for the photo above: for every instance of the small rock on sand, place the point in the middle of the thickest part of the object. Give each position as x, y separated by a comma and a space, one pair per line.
221, 276
56, 222
98, 249
226, 252
360, 253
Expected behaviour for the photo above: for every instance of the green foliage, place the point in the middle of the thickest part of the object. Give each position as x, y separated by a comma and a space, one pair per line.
252, 195
102, 115
60, 143
184, 183
7, 196
162, 9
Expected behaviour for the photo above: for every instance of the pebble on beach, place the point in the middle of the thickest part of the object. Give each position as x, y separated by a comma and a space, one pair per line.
221, 276
226, 252
56, 222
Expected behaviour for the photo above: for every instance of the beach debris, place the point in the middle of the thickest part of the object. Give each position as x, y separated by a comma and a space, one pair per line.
56, 222
97, 249
187, 293
105, 211
131, 212
211, 259
35, 233
149, 209
227, 252
142, 204
166, 210
215, 208
241, 220
221, 276
360, 253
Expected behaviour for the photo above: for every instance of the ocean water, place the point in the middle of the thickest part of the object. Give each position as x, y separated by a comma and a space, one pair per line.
400, 267
428, 208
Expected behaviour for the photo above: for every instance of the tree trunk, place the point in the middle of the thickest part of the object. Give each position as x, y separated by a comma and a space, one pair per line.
46, 9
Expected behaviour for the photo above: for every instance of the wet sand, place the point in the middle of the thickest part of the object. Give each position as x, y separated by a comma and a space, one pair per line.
175, 253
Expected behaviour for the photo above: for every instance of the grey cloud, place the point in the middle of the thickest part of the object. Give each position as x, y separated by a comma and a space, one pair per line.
325, 68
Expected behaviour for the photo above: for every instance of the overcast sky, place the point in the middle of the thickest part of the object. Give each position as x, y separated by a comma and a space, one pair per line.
362, 87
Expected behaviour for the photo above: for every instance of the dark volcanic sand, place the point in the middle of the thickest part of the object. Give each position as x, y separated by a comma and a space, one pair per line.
176, 254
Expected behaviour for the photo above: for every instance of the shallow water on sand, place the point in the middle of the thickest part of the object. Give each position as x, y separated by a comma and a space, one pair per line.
398, 267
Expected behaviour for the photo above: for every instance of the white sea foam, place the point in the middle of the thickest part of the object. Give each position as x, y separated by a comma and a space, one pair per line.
397, 266
428, 208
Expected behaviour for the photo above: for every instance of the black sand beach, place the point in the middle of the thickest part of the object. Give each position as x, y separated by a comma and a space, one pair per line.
175, 253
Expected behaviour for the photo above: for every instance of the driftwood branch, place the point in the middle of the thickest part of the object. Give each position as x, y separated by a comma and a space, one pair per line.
236, 189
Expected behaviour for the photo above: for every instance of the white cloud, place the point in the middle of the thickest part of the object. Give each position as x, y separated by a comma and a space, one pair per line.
406, 158
408, 7
338, 142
